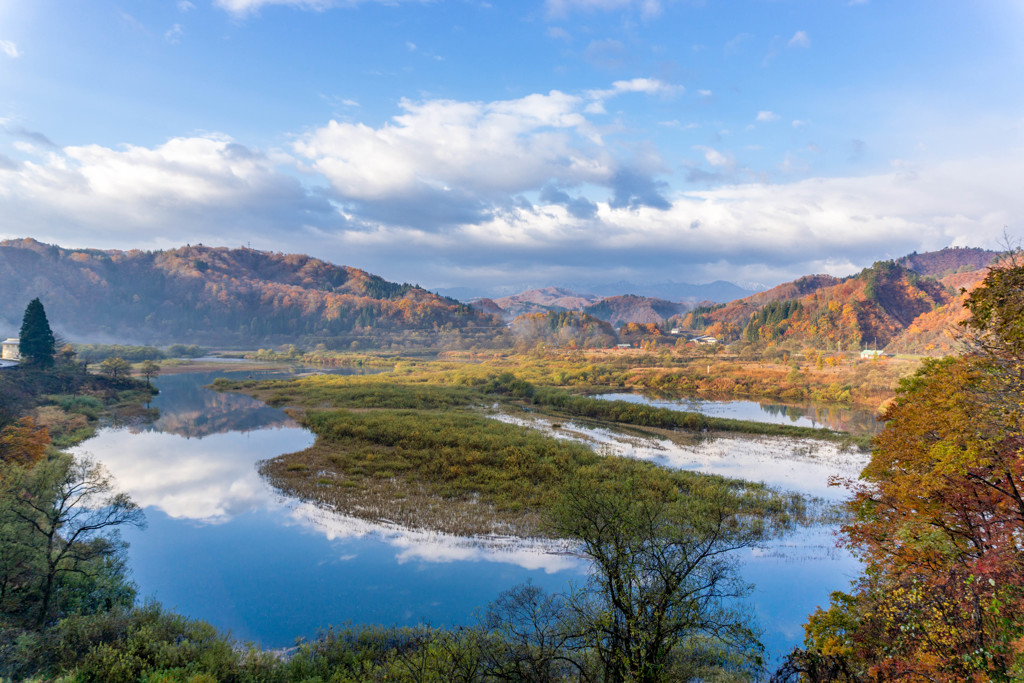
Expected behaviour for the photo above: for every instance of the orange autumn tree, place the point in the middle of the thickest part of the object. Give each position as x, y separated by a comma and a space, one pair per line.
23, 443
938, 519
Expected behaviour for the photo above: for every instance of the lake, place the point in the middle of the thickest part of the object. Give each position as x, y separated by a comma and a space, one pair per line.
223, 546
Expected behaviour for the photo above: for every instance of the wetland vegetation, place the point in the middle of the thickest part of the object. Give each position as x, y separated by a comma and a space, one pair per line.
417, 447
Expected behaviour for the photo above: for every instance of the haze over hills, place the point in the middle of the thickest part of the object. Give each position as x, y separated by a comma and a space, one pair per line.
545, 299
215, 296
630, 308
718, 291
617, 310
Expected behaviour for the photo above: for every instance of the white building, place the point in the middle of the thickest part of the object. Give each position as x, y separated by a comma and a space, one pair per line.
9, 349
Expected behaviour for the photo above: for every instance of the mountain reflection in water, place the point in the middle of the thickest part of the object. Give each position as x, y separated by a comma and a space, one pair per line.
188, 409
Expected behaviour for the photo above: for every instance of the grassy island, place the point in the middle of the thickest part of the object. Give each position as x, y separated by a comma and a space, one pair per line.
416, 447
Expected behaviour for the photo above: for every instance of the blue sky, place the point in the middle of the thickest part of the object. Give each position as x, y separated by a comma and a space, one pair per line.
511, 144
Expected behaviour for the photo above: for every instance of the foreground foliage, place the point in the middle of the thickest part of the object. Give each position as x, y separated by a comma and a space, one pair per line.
939, 520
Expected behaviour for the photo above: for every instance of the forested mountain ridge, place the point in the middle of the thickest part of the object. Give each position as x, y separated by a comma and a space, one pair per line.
886, 304
735, 314
930, 333
215, 295
949, 260
631, 308
545, 299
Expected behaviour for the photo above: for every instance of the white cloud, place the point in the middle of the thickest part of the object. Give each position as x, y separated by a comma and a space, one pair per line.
10, 49
714, 157
448, 189
765, 116
485, 149
185, 6
173, 34
704, 93
559, 9
797, 123
212, 190
245, 7
196, 182
799, 39
752, 232
649, 86
558, 32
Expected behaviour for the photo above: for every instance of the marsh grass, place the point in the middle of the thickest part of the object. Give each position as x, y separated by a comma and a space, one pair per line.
417, 449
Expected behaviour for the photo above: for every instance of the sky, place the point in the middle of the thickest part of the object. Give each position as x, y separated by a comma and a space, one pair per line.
498, 145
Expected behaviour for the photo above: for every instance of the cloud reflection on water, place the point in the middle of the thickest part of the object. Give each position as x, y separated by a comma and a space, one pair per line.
210, 480
792, 464
214, 480
430, 546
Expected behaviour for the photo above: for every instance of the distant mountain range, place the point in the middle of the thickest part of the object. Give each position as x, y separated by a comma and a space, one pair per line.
617, 310
219, 296
719, 291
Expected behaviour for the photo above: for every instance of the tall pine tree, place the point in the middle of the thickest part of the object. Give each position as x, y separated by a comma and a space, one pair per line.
37, 344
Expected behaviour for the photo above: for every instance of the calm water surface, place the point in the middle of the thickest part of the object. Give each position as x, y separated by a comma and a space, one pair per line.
850, 420
223, 546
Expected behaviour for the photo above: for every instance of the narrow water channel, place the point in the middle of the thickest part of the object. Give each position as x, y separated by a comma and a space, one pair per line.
223, 546
807, 414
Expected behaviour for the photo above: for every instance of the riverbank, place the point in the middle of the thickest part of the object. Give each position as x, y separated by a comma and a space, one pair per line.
69, 402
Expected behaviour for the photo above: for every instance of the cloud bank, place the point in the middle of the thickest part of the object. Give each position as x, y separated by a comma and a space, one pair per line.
528, 190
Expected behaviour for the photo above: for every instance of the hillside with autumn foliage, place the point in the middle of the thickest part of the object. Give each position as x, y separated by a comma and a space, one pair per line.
948, 261
887, 306
217, 296
934, 333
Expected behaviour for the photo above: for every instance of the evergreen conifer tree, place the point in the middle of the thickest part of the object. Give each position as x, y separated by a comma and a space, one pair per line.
37, 345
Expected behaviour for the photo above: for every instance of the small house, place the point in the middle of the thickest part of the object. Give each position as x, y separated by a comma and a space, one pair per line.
870, 354
9, 349
705, 339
